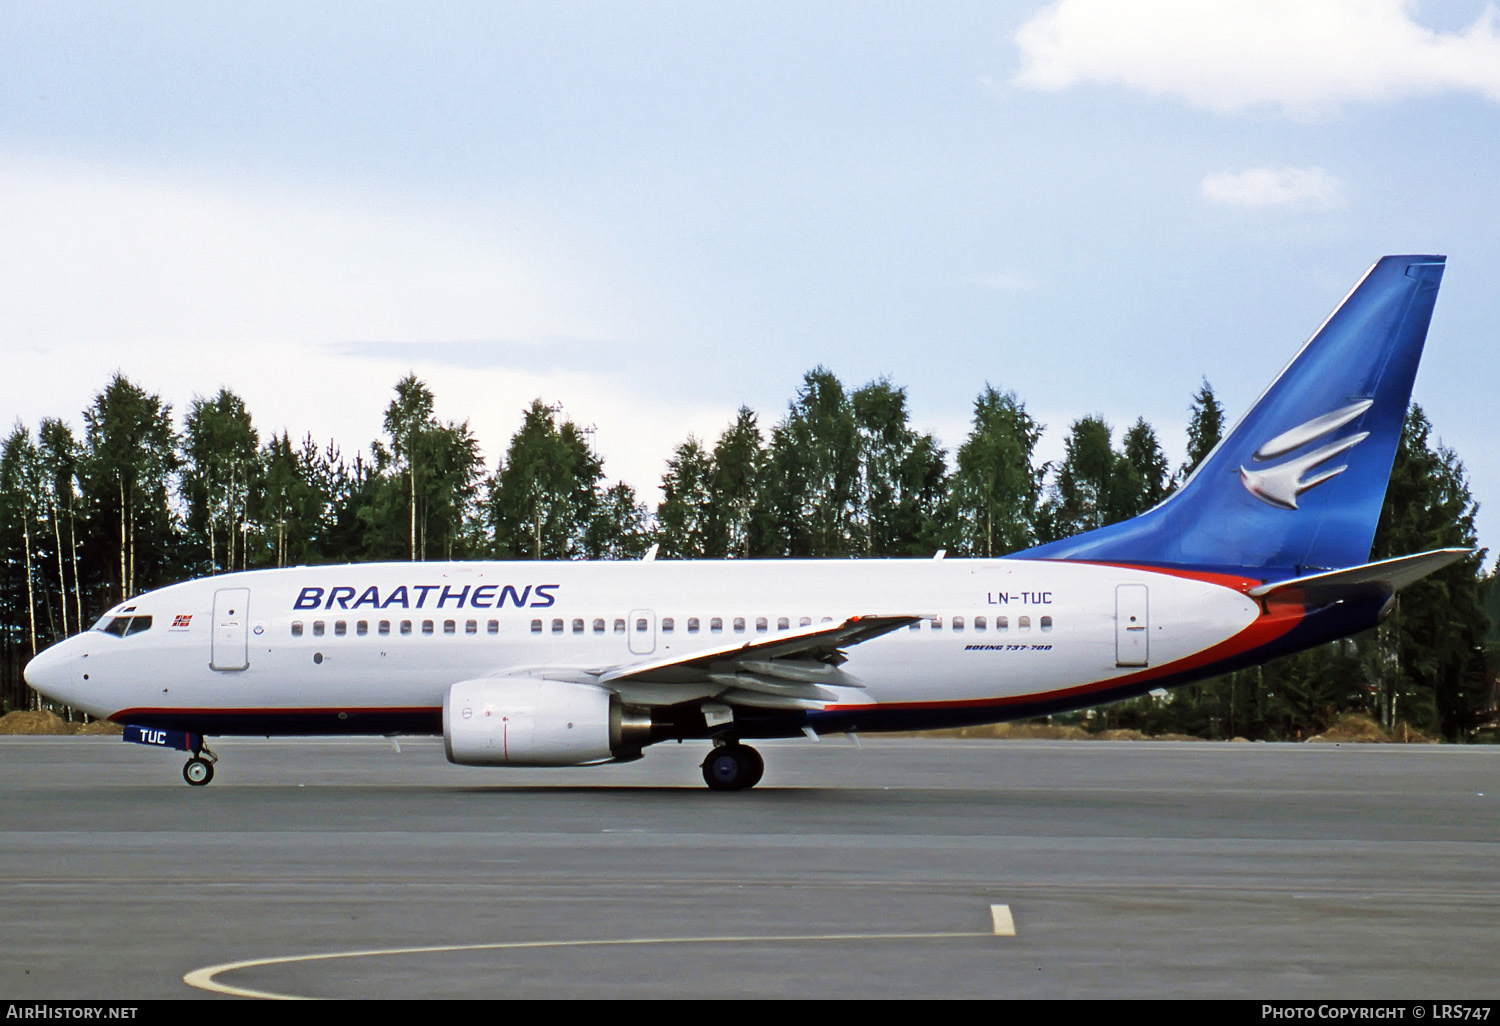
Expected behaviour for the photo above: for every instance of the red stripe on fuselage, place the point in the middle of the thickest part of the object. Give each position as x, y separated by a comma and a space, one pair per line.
124, 715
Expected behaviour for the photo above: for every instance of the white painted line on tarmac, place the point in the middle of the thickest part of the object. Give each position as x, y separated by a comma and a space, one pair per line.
1005, 925
205, 978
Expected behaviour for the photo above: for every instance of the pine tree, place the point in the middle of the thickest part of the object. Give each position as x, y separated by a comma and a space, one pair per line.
738, 522
812, 480
1140, 477
545, 493
902, 480
1430, 666
997, 487
127, 472
685, 515
1080, 498
1205, 428
219, 472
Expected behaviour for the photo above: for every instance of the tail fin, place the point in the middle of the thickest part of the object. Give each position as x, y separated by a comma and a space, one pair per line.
1297, 485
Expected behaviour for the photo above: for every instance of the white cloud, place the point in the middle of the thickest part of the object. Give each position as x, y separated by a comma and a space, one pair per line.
1275, 187
1227, 55
105, 252
186, 286
1004, 281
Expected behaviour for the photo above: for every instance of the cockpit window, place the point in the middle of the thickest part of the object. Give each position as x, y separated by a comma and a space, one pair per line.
122, 626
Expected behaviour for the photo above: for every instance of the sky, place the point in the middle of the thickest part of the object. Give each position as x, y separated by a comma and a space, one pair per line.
655, 213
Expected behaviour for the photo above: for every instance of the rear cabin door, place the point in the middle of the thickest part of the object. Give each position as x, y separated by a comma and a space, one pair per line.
1132, 625
231, 629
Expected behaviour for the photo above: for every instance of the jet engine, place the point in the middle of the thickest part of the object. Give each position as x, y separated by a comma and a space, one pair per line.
534, 722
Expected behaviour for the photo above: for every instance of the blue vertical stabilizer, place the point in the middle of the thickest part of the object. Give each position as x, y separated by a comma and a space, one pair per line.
1297, 485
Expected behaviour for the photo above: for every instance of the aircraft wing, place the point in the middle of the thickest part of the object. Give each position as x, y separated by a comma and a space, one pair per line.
784, 670
796, 650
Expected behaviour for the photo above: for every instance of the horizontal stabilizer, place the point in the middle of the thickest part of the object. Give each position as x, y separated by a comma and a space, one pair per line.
1385, 577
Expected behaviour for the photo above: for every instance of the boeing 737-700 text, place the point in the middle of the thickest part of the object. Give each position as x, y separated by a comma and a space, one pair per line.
1261, 552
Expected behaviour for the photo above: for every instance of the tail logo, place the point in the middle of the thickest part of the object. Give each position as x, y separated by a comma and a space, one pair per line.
1281, 485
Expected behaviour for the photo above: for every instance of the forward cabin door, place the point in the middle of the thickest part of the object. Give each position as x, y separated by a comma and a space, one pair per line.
231, 629
1132, 625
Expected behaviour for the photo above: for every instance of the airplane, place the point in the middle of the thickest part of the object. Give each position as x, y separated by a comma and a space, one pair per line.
1260, 553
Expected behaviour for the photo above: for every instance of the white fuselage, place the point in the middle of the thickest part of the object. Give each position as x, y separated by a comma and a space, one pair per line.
395, 637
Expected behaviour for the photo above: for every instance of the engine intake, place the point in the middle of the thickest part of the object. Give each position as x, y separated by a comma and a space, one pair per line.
534, 722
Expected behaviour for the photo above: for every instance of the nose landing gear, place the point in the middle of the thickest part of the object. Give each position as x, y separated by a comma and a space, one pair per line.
200, 767
732, 766
199, 770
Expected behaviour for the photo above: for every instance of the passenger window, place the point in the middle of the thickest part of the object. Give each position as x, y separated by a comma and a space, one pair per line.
450, 626
937, 623
1023, 622
471, 627
619, 626
494, 626
958, 623
692, 625
782, 623
317, 628
667, 624
805, 621
362, 628
557, 626
760, 625
340, 628
383, 628
1002, 623
296, 628
828, 619
578, 625
739, 625
641, 626
536, 627
405, 626
1046, 623
599, 625
979, 623
426, 626
916, 626
716, 625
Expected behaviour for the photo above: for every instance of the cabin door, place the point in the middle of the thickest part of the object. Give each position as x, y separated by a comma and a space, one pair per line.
642, 631
1132, 625
231, 629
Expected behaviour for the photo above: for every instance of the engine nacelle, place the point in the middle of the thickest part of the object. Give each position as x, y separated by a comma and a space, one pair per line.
533, 722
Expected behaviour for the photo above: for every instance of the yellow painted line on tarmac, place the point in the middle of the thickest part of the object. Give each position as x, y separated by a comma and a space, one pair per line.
205, 978
1004, 924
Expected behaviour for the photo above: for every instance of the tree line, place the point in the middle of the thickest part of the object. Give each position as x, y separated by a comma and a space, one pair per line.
134, 504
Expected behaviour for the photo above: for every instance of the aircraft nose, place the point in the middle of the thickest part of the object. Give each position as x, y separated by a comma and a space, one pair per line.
51, 672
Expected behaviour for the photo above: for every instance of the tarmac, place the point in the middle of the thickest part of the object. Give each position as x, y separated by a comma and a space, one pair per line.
346, 868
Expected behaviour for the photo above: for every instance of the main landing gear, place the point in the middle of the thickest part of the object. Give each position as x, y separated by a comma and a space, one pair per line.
199, 770
732, 766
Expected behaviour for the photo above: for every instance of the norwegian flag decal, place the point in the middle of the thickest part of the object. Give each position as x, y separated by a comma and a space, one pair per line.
182, 620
